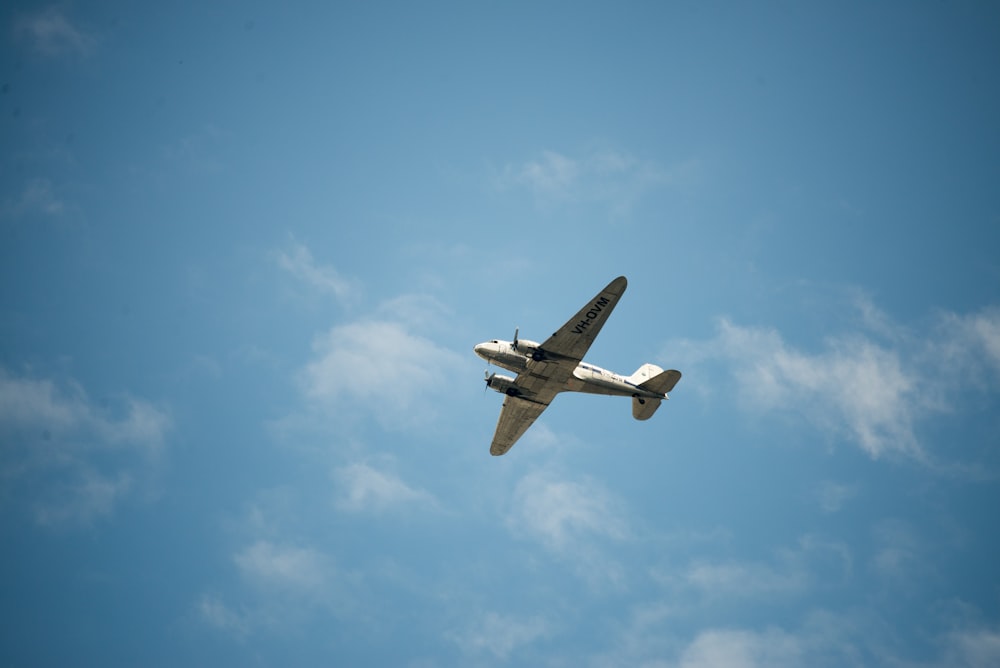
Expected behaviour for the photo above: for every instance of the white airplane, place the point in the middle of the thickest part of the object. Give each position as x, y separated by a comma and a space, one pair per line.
546, 369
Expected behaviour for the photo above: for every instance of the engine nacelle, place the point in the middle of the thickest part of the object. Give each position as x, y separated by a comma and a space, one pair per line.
502, 384
531, 350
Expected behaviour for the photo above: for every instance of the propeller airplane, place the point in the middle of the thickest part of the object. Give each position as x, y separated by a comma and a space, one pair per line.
556, 365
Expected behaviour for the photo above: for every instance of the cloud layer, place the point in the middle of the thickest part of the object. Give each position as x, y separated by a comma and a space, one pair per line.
72, 460
612, 179
870, 386
52, 34
298, 261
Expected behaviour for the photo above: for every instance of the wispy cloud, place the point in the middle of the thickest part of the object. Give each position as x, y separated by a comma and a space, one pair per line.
500, 635
897, 550
214, 612
832, 496
822, 638
969, 345
743, 649
562, 514
975, 648
794, 571
872, 385
37, 197
550, 174
298, 261
855, 385
573, 520
51, 33
363, 488
197, 152
729, 579
613, 179
88, 494
285, 567
73, 461
284, 584
379, 363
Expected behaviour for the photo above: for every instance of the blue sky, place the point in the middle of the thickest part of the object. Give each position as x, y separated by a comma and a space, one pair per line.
247, 250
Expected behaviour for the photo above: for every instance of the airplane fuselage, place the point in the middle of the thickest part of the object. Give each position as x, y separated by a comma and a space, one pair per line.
586, 378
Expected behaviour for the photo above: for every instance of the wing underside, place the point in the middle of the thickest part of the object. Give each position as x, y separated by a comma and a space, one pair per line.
534, 389
515, 418
573, 340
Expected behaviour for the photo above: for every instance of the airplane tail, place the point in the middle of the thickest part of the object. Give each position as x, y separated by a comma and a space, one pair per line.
653, 379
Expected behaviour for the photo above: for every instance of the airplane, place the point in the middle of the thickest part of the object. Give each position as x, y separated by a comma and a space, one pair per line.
556, 365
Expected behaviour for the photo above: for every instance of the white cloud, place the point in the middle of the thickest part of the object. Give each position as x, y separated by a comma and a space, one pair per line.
613, 179
363, 488
562, 514
197, 151
986, 330
85, 497
852, 637
574, 521
729, 579
968, 345
395, 373
742, 649
812, 562
552, 173
216, 613
855, 387
870, 386
282, 582
829, 639
28, 401
377, 363
73, 461
974, 648
299, 262
51, 33
284, 567
501, 635
832, 496
37, 197
897, 550
415, 310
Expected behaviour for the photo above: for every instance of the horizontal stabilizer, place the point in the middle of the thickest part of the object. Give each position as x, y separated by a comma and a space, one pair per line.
663, 382
643, 409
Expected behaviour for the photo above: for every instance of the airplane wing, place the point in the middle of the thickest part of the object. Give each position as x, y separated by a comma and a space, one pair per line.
546, 376
573, 339
515, 418
535, 388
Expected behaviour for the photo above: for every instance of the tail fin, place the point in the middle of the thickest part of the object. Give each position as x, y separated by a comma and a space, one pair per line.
644, 373
653, 378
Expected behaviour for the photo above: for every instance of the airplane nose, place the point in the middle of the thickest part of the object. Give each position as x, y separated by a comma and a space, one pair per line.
481, 349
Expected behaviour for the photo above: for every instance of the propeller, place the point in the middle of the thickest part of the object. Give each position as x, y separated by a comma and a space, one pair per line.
514, 342
487, 377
